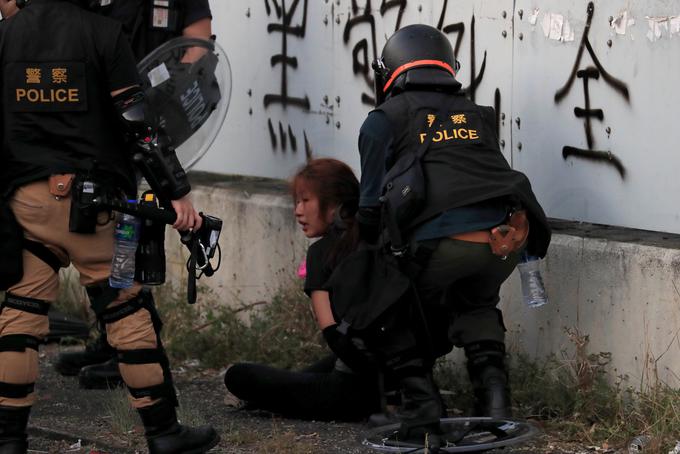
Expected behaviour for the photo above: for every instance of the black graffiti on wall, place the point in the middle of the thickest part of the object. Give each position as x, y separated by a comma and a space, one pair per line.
362, 56
365, 50
284, 136
588, 113
459, 29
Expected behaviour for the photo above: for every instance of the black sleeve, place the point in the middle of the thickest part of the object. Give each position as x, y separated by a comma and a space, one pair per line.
119, 61
317, 270
195, 10
375, 144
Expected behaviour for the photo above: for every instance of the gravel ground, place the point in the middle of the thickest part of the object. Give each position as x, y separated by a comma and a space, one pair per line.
67, 419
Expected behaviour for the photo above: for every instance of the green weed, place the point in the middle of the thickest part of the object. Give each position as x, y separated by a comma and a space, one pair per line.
281, 333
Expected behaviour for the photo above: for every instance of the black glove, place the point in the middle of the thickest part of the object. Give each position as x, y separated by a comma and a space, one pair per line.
368, 219
349, 351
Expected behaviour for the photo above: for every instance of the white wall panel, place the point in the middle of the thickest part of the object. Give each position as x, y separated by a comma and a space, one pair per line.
318, 65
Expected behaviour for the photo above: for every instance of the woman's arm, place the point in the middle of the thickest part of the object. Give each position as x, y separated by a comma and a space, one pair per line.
339, 343
321, 305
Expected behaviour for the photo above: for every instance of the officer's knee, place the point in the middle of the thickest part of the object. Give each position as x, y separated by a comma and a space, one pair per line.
23, 323
133, 329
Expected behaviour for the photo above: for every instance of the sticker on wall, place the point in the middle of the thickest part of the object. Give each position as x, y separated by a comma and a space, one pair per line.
621, 23
533, 17
557, 28
657, 25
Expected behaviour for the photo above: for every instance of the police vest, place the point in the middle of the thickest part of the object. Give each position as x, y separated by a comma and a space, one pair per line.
147, 23
58, 116
463, 164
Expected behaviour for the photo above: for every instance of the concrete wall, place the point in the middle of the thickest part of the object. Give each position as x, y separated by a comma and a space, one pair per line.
586, 91
618, 287
261, 246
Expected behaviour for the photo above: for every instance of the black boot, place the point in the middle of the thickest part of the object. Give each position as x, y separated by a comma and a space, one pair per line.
420, 411
13, 422
489, 378
165, 435
96, 352
101, 376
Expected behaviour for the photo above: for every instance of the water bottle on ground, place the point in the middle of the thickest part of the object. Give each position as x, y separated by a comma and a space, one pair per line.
676, 449
126, 237
533, 290
638, 444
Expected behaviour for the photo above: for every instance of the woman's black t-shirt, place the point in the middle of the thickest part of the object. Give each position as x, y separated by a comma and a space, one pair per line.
319, 268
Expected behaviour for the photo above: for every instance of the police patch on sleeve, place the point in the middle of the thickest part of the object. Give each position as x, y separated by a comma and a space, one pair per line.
457, 128
46, 87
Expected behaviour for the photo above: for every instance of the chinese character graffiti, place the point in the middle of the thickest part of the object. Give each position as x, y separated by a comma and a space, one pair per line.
366, 50
587, 74
286, 29
361, 56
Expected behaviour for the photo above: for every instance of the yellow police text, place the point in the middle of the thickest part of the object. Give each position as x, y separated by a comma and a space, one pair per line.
52, 95
452, 134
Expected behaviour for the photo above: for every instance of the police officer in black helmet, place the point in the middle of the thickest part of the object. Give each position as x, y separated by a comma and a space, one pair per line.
147, 24
70, 102
470, 190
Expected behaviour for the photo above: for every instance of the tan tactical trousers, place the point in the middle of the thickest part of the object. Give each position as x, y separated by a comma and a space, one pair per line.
44, 219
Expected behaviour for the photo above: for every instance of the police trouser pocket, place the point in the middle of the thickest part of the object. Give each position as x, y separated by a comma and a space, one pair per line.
11, 246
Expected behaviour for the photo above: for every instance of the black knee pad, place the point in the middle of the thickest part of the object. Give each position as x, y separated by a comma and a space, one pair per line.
21, 342
101, 295
25, 304
17, 343
144, 300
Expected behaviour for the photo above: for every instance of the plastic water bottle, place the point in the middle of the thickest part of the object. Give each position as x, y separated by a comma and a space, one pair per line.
638, 444
533, 290
126, 237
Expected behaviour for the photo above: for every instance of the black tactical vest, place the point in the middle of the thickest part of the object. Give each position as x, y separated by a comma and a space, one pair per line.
58, 116
145, 25
463, 164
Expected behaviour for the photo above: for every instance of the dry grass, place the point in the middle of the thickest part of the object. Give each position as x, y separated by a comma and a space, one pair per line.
281, 333
573, 398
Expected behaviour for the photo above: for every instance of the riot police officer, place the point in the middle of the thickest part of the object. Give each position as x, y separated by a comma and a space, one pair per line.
147, 24
470, 190
70, 98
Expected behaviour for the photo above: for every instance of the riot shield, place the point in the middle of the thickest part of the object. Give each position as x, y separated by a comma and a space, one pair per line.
187, 83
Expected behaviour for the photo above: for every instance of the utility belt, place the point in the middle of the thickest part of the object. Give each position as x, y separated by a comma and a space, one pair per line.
503, 239
89, 199
85, 215
88, 211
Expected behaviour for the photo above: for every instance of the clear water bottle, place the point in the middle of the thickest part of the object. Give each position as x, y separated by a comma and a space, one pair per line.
638, 444
533, 290
126, 237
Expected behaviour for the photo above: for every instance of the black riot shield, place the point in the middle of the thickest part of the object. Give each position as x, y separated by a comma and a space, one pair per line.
187, 83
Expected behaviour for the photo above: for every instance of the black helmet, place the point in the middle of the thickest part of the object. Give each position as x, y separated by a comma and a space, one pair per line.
415, 47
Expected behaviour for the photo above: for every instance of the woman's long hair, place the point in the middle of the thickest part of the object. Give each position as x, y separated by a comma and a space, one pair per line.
336, 186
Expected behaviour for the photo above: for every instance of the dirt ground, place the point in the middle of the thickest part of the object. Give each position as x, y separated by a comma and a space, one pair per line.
67, 419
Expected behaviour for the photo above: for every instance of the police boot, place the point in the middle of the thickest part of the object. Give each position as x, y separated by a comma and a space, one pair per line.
13, 422
96, 352
420, 411
489, 378
164, 435
101, 376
